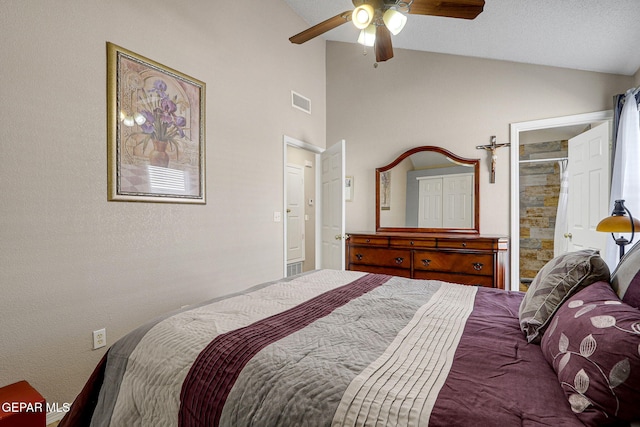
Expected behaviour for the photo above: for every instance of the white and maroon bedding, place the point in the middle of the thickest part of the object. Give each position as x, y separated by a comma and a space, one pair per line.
330, 348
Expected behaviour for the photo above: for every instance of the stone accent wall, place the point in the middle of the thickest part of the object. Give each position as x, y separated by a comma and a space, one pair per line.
539, 191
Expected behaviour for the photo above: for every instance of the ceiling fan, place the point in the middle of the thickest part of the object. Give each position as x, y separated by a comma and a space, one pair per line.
378, 19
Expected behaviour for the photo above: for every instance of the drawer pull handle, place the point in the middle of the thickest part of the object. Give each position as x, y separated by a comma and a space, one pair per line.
426, 262
464, 244
359, 256
399, 260
412, 243
368, 240
478, 266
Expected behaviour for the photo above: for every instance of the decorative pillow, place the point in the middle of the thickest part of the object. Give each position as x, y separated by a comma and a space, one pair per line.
626, 277
593, 344
560, 278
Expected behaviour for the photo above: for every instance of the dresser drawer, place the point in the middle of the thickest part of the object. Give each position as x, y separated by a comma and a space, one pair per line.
396, 258
464, 279
453, 262
369, 241
465, 244
413, 243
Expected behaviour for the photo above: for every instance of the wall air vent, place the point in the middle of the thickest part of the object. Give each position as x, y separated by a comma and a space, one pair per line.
300, 102
293, 269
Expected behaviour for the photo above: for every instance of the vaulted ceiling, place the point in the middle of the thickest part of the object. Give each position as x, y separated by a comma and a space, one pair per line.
593, 35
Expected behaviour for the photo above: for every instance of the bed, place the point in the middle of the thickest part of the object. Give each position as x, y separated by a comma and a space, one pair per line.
345, 348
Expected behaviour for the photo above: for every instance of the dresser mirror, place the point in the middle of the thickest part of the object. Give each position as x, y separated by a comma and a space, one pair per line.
428, 190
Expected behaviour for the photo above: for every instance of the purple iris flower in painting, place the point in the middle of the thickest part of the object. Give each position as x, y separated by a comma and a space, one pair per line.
168, 109
180, 123
162, 123
147, 126
159, 87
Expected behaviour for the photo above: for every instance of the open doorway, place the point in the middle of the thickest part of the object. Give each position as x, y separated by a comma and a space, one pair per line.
550, 134
300, 206
300, 210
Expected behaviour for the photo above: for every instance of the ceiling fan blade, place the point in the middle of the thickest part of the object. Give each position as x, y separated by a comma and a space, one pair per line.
383, 47
321, 28
465, 9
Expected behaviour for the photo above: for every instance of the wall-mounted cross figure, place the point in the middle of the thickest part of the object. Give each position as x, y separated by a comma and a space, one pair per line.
494, 157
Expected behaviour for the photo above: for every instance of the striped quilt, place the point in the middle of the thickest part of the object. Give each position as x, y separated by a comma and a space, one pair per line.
329, 348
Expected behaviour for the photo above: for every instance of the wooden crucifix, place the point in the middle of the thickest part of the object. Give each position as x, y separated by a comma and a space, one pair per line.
494, 157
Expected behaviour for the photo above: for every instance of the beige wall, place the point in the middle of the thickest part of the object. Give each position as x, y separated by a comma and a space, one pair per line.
71, 262
420, 98
637, 79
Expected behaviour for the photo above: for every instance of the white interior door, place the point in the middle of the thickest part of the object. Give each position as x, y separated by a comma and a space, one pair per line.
295, 213
589, 181
430, 202
333, 207
457, 193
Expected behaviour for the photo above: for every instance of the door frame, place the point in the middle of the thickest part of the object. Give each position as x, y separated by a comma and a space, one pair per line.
288, 141
515, 129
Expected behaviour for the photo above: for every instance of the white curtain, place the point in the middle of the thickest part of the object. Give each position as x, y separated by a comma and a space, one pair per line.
560, 242
625, 179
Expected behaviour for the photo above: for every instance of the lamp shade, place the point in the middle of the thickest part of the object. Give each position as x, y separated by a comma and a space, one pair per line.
394, 21
617, 224
362, 16
368, 36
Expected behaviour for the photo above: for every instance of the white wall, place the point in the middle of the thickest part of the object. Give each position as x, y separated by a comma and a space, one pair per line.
71, 262
420, 98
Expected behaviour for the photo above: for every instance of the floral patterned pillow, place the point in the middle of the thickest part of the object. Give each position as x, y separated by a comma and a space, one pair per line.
593, 344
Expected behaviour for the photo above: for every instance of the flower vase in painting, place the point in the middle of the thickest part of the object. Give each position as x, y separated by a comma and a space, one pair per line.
159, 120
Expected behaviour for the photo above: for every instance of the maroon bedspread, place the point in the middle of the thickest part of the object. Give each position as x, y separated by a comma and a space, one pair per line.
512, 383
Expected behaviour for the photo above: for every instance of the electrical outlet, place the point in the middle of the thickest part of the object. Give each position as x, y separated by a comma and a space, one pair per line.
99, 338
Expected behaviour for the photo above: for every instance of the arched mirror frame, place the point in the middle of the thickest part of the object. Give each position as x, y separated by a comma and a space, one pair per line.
476, 192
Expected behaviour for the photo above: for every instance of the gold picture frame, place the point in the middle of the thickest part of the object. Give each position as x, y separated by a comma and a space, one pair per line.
155, 131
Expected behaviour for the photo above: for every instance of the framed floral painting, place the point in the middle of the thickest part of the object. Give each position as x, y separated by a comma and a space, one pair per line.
156, 135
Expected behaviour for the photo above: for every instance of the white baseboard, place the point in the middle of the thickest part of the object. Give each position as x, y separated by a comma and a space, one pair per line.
52, 417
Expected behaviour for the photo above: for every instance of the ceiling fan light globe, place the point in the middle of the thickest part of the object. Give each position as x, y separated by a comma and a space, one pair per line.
362, 16
129, 121
394, 21
367, 36
139, 119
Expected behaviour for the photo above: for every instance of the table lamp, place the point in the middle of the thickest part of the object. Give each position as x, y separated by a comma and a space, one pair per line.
618, 222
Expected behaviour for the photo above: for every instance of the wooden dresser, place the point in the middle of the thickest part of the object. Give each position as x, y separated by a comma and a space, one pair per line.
469, 259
